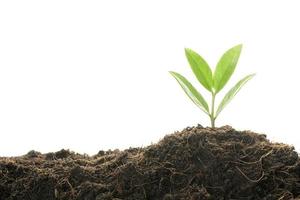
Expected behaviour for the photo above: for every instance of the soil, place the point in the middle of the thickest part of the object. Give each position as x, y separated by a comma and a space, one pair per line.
194, 164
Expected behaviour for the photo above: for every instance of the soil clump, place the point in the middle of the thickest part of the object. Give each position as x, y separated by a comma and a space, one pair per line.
193, 164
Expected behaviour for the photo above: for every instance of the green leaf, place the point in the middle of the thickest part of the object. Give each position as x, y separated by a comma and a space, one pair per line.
226, 67
200, 68
232, 92
191, 92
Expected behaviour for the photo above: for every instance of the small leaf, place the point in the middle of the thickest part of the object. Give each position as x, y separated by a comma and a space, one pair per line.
200, 69
192, 93
226, 67
232, 92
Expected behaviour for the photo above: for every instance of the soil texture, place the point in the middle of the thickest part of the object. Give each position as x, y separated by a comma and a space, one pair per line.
194, 164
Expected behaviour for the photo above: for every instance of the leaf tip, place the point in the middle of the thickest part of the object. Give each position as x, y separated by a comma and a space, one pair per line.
187, 50
190, 52
240, 46
237, 48
174, 74
252, 75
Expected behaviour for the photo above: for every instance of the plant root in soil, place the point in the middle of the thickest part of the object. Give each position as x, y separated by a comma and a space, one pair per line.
194, 164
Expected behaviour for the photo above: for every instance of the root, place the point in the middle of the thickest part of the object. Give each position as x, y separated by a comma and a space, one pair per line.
251, 180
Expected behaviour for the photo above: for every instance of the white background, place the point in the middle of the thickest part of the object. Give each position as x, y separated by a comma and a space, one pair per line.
91, 75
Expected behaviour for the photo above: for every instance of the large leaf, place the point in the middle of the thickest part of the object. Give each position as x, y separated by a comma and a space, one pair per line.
191, 92
226, 67
200, 69
232, 92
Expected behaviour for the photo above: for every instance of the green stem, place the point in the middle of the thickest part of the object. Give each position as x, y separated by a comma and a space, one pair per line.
212, 114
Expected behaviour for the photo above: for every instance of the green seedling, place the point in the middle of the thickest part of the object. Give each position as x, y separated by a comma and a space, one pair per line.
214, 82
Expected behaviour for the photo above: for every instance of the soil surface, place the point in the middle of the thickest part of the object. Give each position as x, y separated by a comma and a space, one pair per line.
194, 164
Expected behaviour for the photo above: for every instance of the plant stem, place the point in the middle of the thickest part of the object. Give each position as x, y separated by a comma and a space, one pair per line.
212, 114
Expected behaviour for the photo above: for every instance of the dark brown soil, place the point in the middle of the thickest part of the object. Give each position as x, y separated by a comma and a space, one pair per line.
196, 163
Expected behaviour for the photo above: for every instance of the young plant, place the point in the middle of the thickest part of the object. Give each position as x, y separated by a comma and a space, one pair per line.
213, 82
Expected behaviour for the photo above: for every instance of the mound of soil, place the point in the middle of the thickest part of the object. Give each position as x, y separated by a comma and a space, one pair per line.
194, 164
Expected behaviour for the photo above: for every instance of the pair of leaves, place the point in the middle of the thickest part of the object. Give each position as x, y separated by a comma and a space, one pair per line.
213, 82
